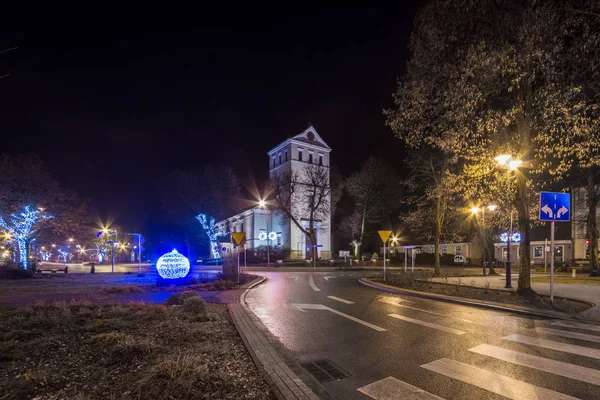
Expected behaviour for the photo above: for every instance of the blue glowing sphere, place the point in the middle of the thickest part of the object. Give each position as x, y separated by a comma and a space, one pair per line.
173, 265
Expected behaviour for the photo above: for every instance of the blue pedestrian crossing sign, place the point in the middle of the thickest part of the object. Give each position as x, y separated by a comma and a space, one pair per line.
555, 206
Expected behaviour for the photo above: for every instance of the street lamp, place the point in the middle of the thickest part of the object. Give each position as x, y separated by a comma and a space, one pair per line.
263, 204
511, 164
475, 211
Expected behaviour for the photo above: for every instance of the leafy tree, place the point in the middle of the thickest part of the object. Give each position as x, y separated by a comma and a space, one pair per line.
477, 86
375, 190
435, 187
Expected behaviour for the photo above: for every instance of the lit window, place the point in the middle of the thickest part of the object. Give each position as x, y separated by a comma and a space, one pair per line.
458, 251
538, 251
444, 249
278, 239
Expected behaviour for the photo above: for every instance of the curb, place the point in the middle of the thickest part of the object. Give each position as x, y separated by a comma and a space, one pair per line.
284, 383
463, 301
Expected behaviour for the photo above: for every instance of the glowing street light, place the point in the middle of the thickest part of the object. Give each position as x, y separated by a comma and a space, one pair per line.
512, 164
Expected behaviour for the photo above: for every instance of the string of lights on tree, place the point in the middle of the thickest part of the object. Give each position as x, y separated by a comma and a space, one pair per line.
209, 227
20, 228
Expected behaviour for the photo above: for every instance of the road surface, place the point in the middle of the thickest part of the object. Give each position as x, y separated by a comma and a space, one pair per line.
401, 347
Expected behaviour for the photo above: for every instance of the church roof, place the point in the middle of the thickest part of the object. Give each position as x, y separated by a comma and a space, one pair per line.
308, 136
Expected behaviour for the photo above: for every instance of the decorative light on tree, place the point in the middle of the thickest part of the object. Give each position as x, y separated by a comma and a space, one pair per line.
173, 265
22, 229
262, 235
272, 236
64, 254
209, 228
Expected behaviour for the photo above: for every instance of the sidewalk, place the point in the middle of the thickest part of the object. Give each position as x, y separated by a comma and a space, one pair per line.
589, 293
15, 301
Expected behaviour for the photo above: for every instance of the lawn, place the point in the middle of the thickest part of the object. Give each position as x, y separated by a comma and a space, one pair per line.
568, 279
136, 351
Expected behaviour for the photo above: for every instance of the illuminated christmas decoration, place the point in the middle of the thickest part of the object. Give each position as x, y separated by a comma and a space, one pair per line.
516, 237
64, 254
22, 229
262, 235
209, 228
272, 236
173, 265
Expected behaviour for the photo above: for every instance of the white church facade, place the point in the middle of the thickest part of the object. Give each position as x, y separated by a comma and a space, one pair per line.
269, 227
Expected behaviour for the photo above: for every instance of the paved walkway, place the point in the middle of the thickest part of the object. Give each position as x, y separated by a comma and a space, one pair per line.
14, 301
589, 293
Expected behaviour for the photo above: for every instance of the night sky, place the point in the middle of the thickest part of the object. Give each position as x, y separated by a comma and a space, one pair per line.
113, 98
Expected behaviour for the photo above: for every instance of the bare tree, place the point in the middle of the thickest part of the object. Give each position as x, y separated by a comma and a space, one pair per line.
304, 197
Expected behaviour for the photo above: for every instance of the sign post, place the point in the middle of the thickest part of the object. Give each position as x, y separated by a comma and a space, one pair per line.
554, 206
239, 239
384, 235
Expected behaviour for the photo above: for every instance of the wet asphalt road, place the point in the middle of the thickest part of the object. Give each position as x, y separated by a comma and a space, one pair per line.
373, 346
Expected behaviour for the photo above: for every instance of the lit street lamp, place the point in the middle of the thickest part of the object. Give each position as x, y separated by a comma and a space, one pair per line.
263, 204
511, 164
474, 211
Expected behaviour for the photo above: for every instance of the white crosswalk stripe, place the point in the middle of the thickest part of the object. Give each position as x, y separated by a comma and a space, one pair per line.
391, 388
577, 325
570, 335
493, 382
543, 364
552, 345
427, 324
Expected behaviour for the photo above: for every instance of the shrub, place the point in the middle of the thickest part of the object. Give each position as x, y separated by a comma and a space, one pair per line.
194, 305
222, 284
176, 299
10, 272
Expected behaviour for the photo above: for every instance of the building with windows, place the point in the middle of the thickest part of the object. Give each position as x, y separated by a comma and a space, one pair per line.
263, 226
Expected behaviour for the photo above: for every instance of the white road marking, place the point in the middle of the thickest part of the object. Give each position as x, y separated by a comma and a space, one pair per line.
493, 382
577, 325
576, 372
391, 388
392, 300
327, 278
303, 307
434, 313
340, 300
571, 335
294, 277
311, 282
427, 324
558, 346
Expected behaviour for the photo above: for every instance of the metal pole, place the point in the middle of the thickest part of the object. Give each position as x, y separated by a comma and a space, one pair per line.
384, 261
484, 242
552, 262
545, 254
405, 259
244, 256
238, 271
413, 259
113, 256
140, 253
268, 240
508, 262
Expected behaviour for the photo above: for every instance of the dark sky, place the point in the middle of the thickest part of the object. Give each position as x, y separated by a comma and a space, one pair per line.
112, 98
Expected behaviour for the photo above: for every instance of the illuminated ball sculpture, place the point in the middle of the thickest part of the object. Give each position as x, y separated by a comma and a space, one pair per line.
173, 265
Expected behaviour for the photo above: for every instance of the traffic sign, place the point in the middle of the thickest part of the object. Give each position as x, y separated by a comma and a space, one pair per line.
384, 235
239, 238
555, 206
312, 246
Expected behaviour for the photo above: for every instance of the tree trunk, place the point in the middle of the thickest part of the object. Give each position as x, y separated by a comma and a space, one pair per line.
524, 286
592, 227
362, 232
438, 233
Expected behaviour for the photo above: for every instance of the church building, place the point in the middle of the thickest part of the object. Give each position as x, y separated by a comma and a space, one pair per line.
265, 226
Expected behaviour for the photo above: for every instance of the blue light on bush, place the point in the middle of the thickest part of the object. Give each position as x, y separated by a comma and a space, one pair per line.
173, 265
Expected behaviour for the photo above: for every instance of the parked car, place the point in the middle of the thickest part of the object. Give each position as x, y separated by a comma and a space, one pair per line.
462, 260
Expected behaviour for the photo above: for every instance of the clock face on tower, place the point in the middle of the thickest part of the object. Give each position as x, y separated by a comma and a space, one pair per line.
310, 136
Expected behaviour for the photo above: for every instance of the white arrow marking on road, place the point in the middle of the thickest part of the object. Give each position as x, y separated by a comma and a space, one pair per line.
434, 313
311, 282
327, 278
340, 300
548, 211
561, 211
303, 307
392, 300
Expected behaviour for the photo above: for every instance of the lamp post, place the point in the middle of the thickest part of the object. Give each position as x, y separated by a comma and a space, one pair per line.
476, 210
263, 204
511, 164
139, 246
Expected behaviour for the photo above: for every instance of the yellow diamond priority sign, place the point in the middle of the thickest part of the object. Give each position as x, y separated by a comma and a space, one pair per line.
239, 238
384, 235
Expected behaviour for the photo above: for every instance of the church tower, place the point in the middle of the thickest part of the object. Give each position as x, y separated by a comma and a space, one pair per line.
304, 152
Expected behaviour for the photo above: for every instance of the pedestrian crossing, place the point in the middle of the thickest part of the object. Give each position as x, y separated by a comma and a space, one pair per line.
536, 349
